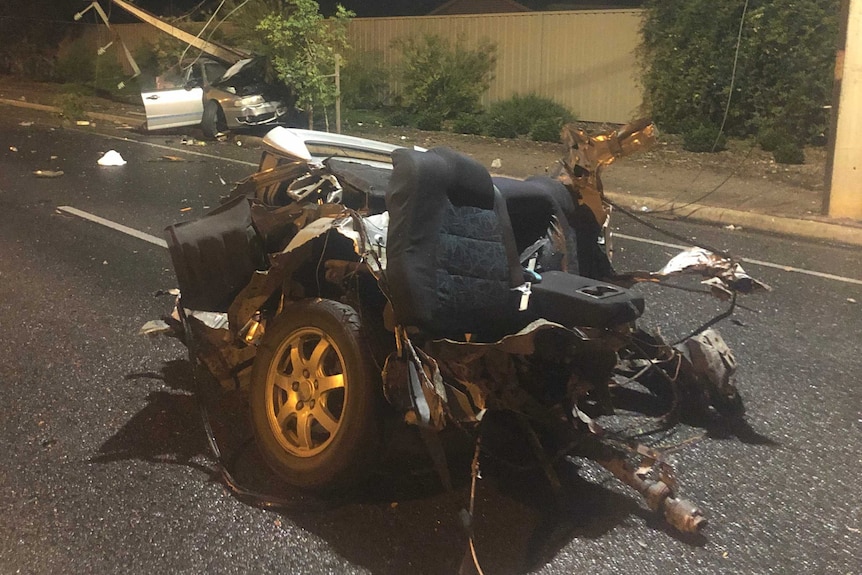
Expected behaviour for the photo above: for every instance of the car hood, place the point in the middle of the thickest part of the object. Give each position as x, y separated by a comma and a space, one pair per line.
244, 72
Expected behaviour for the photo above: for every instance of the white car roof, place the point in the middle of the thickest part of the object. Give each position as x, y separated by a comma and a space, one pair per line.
311, 145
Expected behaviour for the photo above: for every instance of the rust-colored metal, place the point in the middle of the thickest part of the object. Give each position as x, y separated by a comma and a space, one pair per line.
587, 155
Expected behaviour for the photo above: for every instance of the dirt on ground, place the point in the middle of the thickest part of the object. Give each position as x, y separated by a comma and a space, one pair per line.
523, 157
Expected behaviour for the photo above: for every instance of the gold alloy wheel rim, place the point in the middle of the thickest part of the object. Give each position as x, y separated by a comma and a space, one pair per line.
306, 392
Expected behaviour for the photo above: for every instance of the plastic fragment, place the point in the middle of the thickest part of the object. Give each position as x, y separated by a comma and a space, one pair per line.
112, 158
82, 123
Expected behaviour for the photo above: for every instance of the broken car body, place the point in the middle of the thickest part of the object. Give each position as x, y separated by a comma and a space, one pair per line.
349, 279
215, 96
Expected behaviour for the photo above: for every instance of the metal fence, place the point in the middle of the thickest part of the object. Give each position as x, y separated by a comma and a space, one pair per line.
584, 60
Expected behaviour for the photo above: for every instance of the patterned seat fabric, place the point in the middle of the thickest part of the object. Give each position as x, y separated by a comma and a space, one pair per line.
451, 261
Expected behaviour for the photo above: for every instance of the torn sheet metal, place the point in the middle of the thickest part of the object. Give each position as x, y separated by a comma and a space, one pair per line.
412, 382
587, 155
369, 236
502, 374
724, 275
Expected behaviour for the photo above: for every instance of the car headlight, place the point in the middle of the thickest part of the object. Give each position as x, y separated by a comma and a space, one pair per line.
248, 101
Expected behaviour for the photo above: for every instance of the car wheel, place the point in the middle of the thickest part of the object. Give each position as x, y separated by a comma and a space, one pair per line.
316, 397
213, 121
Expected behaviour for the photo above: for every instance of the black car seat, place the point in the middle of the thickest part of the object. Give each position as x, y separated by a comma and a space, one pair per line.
452, 260
533, 201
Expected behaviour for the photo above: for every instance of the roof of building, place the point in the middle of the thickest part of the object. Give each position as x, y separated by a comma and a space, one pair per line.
479, 7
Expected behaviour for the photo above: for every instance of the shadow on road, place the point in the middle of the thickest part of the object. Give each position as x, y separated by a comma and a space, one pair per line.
403, 520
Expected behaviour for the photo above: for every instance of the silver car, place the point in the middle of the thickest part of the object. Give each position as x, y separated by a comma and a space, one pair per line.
214, 96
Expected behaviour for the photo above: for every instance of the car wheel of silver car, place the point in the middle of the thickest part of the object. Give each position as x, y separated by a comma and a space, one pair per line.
213, 121
316, 397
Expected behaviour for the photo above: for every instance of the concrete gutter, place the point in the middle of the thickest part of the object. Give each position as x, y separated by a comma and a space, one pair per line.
849, 233
810, 229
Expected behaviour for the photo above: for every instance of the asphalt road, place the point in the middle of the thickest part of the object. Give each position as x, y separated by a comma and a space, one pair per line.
104, 467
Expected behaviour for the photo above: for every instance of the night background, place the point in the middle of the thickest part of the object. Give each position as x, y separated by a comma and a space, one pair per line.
31, 30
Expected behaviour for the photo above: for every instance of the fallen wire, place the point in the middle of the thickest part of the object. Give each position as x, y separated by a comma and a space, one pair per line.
672, 210
469, 517
668, 233
723, 122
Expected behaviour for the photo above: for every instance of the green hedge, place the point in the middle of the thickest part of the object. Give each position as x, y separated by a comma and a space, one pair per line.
784, 70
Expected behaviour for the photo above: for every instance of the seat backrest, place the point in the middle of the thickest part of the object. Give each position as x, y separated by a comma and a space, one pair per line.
531, 202
451, 257
214, 257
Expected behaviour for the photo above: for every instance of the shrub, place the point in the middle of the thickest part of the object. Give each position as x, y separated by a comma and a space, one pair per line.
703, 138
72, 105
546, 130
468, 124
77, 64
788, 152
443, 80
540, 118
431, 122
401, 117
769, 139
364, 81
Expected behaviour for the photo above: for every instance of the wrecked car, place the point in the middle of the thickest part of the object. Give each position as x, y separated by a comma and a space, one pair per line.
348, 281
217, 97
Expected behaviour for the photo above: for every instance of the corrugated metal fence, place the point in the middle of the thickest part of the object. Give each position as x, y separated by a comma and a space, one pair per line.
582, 59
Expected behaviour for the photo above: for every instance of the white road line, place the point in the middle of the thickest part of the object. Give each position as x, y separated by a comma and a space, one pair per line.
173, 149
161, 243
114, 226
781, 267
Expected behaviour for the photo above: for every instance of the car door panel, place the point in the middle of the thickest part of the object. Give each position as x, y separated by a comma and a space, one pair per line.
173, 108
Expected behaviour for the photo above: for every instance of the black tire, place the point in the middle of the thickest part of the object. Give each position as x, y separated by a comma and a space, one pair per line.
213, 121
315, 435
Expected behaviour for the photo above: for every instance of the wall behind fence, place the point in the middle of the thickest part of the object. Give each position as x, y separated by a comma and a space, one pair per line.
582, 59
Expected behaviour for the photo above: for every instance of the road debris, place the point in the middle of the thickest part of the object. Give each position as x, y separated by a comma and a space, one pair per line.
497, 164
25, 124
13, 149
112, 158
48, 173
851, 300
82, 123
187, 141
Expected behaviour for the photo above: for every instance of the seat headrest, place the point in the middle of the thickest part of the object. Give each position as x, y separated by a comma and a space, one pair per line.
441, 170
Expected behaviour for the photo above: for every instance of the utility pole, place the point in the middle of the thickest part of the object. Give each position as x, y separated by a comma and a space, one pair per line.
844, 156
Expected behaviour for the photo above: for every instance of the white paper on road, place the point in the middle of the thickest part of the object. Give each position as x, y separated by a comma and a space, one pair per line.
112, 158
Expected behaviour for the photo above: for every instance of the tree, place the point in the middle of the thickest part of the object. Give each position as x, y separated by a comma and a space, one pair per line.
303, 45
782, 78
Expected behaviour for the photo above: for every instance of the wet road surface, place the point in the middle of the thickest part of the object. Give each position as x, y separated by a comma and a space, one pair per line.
104, 466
